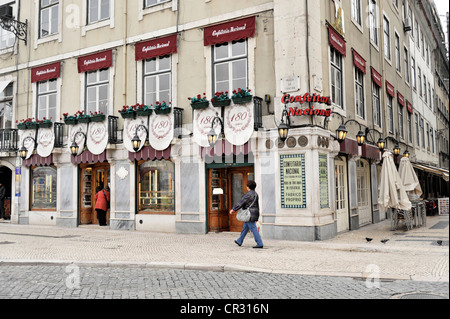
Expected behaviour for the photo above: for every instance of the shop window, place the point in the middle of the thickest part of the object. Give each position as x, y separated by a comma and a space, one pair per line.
43, 188
157, 80
46, 99
156, 187
97, 91
230, 66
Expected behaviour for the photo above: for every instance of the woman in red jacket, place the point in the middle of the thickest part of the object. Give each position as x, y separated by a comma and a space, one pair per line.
101, 205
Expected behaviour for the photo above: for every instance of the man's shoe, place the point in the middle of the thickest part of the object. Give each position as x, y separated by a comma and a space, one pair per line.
258, 247
237, 243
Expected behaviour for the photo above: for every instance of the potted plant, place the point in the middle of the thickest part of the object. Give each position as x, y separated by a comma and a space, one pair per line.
23, 124
221, 99
70, 119
128, 112
45, 123
143, 110
97, 117
199, 102
241, 96
83, 118
163, 108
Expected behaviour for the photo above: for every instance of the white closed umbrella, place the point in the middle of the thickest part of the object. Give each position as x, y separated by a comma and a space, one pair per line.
409, 177
391, 192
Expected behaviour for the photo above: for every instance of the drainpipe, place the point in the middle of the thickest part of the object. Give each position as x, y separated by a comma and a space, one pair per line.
307, 56
125, 67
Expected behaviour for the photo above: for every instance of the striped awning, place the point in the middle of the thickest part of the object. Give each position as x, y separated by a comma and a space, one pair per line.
149, 153
224, 147
37, 160
88, 157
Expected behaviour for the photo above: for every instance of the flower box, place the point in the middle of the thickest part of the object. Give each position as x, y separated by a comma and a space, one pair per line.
70, 120
200, 105
46, 124
221, 103
163, 110
144, 112
128, 114
32, 125
22, 126
98, 118
86, 119
242, 100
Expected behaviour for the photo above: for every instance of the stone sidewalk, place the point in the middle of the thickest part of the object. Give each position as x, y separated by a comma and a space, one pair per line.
407, 255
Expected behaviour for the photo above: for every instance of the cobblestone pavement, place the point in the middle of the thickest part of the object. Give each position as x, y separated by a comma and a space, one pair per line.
73, 282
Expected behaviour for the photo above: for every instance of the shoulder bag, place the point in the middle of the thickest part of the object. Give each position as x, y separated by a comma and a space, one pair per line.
106, 199
244, 215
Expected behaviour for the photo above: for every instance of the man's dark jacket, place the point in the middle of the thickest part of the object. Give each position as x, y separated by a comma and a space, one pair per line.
246, 201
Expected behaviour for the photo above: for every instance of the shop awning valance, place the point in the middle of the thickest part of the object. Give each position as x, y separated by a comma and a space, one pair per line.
149, 153
223, 147
401, 99
46, 72
390, 89
410, 107
376, 77
336, 41
156, 47
433, 170
96, 61
359, 62
230, 31
37, 160
88, 157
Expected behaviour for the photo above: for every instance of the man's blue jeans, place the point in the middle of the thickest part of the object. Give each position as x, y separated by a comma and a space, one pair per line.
250, 226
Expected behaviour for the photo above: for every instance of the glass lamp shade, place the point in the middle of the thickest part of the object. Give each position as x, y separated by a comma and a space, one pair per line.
381, 143
74, 149
406, 154
396, 150
283, 131
136, 143
23, 153
212, 138
341, 133
360, 138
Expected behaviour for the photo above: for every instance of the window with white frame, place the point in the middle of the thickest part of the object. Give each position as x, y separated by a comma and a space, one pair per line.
373, 22
230, 68
6, 110
97, 10
97, 91
406, 59
359, 93
428, 137
400, 121
48, 17
432, 140
157, 74
416, 124
419, 82
46, 99
425, 88
336, 78
7, 38
398, 63
410, 133
387, 38
149, 3
429, 97
417, 34
357, 11
390, 114
413, 73
422, 133
410, 17
376, 105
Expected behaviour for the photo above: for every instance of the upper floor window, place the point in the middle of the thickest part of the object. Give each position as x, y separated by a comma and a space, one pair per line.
390, 114
356, 11
336, 78
406, 60
397, 53
157, 80
97, 91
6, 110
149, 3
359, 93
376, 105
46, 99
387, 38
49, 19
373, 21
7, 38
98, 10
230, 66
413, 73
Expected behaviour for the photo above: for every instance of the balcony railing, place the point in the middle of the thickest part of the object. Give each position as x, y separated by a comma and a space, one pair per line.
115, 136
257, 103
178, 119
9, 139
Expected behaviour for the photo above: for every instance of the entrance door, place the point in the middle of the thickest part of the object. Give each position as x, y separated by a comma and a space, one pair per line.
342, 220
363, 192
92, 178
233, 182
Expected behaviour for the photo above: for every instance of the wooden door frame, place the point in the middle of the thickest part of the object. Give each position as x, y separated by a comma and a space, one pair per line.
343, 162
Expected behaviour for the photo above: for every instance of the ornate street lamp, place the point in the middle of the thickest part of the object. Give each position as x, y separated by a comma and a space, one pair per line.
136, 141
23, 151
74, 147
360, 138
381, 144
19, 29
396, 150
212, 136
341, 133
283, 128
406, 154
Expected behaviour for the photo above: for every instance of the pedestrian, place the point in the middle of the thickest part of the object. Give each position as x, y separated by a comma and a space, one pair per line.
249, 200
2, 201
101, 204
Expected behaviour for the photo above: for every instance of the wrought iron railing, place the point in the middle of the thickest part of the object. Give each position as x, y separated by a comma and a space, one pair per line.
115, 136
257, 102
9, 139
178, 119
59, 134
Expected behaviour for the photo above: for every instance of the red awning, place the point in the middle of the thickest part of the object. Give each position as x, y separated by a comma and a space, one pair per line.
401, 99
96, 61
46, 72
349, 146
359, 62
376, 77
410, 107
390, 89
370, 152
156, 47
37, 160
230, 31
88, 157
149, 153
225, 148
336, 41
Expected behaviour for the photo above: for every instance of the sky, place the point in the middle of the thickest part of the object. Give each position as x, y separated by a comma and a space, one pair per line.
443, 7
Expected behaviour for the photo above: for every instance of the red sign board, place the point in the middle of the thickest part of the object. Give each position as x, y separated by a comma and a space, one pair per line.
96, 61
390, 89
376, 77
401, 99
156, 47
336, 41
359, 62
46, 72
410, 107
230, 31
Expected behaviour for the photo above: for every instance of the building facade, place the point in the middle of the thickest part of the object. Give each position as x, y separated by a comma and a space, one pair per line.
313, 65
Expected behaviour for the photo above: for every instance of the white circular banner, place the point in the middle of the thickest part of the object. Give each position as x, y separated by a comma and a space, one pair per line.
97, 137
29, 143
45, 142
202, 125
161, 130
80, 140
129, 129
239, 123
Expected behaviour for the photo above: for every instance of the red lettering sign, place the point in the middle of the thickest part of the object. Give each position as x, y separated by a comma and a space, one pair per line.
410, 107
336, 41
359, 62
97, 61
230, 31
376, 77
46, 72
157, 47
390, 89
401, 99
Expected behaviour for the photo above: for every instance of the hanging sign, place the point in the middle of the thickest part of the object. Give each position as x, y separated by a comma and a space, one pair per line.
80, 140
401, 99
161, 130
390, 89
238, 123
359, 62
129, 129
97, 137
336, 41
45, 141
202, 125
410, 107
376, 77
29, 143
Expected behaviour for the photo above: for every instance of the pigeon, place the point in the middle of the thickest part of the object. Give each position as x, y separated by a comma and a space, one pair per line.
384, 241
439, 242
369, 239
